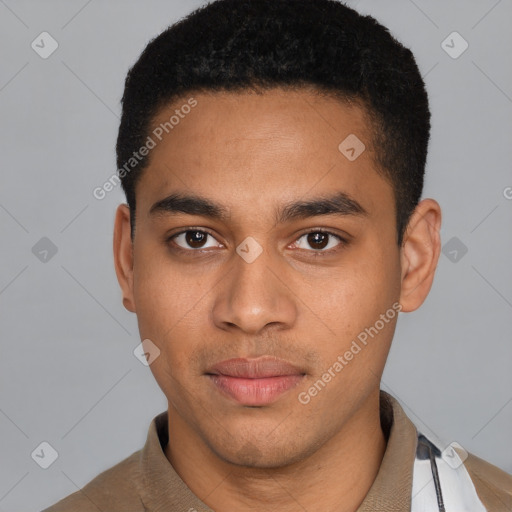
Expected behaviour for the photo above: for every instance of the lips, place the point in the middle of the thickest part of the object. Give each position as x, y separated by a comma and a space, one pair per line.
255, 368
254, 382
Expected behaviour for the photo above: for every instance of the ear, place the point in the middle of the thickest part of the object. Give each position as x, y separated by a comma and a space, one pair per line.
123, 255
419, 254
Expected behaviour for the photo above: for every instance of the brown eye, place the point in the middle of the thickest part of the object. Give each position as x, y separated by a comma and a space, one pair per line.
320, 241
193, 239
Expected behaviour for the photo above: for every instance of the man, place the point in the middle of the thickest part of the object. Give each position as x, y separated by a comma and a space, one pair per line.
272, 153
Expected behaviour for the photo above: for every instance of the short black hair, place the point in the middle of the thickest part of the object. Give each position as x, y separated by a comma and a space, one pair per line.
237, 45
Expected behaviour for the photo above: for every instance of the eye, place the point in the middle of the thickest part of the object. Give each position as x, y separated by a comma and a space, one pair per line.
319, 240
192, 238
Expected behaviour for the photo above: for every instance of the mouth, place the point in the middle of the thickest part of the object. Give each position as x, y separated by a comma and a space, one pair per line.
254, 382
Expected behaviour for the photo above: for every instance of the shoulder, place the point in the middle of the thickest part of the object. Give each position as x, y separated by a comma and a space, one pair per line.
493, 486
116, 488
454, 479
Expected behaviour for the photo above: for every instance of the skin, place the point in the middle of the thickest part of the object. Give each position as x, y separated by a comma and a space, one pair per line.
253, 154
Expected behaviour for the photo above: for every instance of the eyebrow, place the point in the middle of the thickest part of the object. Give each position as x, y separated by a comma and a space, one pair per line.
339, 203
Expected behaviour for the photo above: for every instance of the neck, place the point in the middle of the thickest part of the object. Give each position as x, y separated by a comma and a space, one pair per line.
335, 478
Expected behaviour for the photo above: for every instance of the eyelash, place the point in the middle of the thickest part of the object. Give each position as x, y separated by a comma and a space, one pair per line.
315, 253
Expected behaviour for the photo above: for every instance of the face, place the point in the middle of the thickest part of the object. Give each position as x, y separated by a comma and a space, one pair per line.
254, 278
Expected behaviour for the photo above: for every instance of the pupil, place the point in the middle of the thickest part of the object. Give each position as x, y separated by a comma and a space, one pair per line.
195, 238
318, 239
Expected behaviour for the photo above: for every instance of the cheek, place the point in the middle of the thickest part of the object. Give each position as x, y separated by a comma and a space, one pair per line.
351, 304
358, 308
168, 313
167, 297
358, 292
172, 304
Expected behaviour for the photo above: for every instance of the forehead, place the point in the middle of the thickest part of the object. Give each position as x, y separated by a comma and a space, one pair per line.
278, 144
288, 117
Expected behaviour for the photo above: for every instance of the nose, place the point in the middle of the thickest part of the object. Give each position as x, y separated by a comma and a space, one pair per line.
254, 295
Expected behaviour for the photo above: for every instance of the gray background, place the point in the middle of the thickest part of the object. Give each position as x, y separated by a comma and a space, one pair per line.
68, 375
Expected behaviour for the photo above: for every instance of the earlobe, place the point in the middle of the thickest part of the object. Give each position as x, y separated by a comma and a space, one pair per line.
419, 254
123, 255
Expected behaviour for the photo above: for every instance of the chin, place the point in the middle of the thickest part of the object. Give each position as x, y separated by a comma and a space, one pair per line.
263, 455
